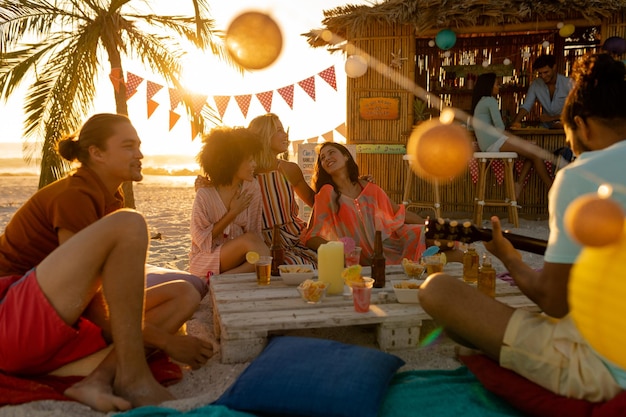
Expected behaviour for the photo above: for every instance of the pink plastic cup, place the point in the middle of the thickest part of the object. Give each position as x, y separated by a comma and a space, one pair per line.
362, 296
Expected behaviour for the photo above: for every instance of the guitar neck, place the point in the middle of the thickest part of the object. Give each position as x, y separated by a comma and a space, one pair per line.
521, 242
441, 230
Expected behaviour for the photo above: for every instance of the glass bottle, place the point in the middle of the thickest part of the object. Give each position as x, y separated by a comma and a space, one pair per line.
277, 251
378, 261
487, 277
470, 264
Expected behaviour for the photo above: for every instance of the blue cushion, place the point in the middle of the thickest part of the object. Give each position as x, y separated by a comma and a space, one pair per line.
299, 376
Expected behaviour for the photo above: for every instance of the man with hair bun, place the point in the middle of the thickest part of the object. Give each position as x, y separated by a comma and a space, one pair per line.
72, 280
546, 347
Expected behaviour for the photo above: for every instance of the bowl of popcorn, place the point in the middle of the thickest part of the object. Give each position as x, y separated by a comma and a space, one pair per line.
296, 274
412, 269
313, 291
406, 290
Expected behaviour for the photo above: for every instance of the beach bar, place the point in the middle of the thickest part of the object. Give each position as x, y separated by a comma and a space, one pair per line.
442, 46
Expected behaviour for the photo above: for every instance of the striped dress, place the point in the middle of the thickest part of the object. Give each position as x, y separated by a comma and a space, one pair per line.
279, 206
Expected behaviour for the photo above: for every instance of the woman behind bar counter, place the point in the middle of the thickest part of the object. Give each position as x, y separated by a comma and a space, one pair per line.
485, 110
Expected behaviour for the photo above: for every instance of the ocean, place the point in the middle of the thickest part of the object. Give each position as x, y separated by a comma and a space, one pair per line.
12, 163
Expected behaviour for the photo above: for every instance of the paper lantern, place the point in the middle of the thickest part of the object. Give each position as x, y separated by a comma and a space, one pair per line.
593, 220
445, 39
440, 151
254, 40
615, 45
567, 30
596, 294
431, 43
356, 66
506, 61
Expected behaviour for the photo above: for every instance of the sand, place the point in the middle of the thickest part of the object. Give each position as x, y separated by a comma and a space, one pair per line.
166, 202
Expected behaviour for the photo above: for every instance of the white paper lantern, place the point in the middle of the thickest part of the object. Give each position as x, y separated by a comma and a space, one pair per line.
356, 66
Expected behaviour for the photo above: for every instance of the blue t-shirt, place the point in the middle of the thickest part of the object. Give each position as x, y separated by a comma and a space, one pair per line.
590, 170
487, 112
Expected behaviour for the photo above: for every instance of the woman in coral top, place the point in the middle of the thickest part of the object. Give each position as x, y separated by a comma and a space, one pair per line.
346, 206
226, 215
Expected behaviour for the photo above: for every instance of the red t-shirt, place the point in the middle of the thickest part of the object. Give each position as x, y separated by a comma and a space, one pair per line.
71, 203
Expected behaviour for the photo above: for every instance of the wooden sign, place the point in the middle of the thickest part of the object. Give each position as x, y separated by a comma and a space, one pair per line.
379, 108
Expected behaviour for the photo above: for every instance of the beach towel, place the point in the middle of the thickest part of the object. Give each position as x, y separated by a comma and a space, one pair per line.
17, 390
440, 393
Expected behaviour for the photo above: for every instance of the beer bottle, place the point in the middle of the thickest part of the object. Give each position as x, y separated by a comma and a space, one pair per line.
277, 251
470, 264
487, 277
378, 261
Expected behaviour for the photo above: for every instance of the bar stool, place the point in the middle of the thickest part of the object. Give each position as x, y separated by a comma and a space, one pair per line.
485, 160
435, 205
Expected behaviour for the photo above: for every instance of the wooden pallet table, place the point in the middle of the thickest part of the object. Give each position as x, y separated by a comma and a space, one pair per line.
244, 314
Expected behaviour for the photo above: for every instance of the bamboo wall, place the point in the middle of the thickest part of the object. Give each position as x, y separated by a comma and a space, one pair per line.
380, 42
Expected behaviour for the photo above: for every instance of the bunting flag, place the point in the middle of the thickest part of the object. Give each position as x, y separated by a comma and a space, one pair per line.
152, 88
116, 78
308, 85
198, 101
132, 82
152, 106
328, 136
342, 130
221, 102
194, 131
244, 103
175, 97
328, 75
173, 119
287, 94
265, 99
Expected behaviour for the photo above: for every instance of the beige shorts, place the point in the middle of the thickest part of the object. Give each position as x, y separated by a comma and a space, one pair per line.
552, 353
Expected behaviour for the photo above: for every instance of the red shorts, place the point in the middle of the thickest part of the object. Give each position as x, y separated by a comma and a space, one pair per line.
33, 338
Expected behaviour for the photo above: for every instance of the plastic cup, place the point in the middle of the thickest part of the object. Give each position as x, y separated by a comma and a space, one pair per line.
362, 295
354, 257
433, 264
263, 269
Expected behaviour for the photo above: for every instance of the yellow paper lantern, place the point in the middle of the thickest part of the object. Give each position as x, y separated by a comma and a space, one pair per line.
596, 294
567, 30
439, 150
254, 40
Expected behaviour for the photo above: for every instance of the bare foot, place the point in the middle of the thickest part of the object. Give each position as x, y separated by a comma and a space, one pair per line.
97, 395
189, 350
143, 391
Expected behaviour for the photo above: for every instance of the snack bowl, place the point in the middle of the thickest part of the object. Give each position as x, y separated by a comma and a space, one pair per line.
406, 290
413, 269
296, 274
313, 291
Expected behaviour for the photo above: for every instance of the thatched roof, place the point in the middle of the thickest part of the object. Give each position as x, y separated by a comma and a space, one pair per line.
424, 15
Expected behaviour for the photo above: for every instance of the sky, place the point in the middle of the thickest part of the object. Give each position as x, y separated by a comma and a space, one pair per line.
206, 75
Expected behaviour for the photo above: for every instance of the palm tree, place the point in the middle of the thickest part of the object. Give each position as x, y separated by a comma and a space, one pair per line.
62, 43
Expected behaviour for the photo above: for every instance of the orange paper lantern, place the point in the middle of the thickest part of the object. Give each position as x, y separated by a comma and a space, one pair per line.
592, 220
438, 150
254, 40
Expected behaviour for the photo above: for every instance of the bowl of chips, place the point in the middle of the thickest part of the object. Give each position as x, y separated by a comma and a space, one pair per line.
406, 290
313, 291
296, 274
412, 269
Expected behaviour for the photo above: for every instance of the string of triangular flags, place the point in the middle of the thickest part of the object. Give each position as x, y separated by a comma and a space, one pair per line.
133, 81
